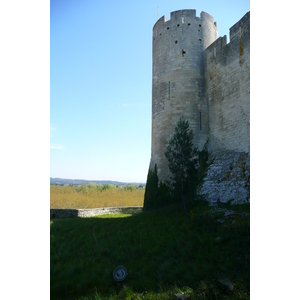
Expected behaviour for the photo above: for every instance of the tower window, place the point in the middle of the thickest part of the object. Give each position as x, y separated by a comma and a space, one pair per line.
176, 42
178, 25
183, 52
168, 28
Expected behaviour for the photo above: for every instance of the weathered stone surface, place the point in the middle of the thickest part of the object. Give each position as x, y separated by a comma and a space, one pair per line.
228, 178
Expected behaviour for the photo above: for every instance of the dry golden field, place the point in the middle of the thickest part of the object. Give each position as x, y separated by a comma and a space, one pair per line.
94, 196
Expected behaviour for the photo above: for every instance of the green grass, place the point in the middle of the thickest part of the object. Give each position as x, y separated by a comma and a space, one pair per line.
164, 252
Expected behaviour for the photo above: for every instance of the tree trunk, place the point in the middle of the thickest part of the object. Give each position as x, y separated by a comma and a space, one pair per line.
184, 204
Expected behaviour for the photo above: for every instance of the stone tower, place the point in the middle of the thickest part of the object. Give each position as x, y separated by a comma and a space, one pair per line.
178, 79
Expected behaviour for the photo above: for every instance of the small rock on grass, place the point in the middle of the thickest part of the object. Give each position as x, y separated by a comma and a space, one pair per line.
218, 239
181, 296
226, 282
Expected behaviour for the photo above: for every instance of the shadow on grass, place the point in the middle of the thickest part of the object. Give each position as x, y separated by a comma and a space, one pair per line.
163, 252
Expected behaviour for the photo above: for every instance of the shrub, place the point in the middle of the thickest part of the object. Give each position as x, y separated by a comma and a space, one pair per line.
130, 188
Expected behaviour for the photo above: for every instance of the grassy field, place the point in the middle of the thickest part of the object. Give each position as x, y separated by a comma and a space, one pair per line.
165, 252
94, 196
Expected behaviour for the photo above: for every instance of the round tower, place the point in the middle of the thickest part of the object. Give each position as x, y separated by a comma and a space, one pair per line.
178, 80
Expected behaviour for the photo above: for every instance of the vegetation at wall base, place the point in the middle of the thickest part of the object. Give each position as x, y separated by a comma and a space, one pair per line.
151, 190
188, 167
164, 251
157, 193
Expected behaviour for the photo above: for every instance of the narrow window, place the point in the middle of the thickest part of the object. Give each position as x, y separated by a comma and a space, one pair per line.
200, 122
176, 42
178, 25
199, 25
182, 20
200, 40
168, 28
189, 24
183, 52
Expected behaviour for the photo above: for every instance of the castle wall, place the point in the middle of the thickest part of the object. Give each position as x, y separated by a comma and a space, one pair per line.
228, 89
228, 94
178, 79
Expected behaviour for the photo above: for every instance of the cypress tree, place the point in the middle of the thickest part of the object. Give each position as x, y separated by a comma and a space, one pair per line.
151, 190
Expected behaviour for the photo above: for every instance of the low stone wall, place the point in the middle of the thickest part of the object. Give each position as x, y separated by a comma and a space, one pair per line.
82, 213
228, 177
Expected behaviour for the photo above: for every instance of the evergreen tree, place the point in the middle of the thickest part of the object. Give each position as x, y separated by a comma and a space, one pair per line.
183, 161
151, 189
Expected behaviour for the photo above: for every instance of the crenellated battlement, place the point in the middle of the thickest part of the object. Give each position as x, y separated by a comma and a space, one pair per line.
217, 48
176, 16
183, 28
242, 27
160, 22
184, 16
179, 16
208, 17
239, 36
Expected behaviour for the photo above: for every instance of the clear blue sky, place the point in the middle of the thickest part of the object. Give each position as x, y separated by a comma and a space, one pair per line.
100, 83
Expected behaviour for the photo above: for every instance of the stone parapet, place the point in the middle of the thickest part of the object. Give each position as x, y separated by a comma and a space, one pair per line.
83, 213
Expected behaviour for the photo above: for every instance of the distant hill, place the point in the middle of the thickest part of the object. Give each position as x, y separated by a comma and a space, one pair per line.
62, 181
